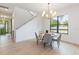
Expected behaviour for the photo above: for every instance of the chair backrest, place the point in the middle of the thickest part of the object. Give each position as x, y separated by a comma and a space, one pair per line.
36, 36
47, 38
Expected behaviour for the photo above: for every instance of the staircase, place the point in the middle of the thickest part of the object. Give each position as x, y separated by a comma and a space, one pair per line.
22, 19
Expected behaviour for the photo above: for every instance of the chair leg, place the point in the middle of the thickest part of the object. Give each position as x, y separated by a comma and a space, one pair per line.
44, 45
42, 41
37, 42
58, 43
52, 44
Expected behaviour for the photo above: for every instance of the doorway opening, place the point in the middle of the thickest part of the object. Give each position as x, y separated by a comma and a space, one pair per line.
5, 24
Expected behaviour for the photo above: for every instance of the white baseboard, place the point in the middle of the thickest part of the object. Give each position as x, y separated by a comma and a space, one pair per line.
70, 42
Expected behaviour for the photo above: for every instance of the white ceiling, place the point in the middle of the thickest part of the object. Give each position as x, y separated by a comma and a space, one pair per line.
36, 7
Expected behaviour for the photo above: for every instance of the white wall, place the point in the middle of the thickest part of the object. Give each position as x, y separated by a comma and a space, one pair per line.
73, 12
28, 30
46, 24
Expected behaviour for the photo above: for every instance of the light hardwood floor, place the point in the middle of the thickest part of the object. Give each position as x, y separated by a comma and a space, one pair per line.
30, 47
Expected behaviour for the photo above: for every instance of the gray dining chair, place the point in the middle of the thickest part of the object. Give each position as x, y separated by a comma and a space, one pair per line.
57, 38
37, 38
47, 39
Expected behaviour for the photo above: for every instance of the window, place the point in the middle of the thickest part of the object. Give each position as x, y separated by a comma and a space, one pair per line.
59, 24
